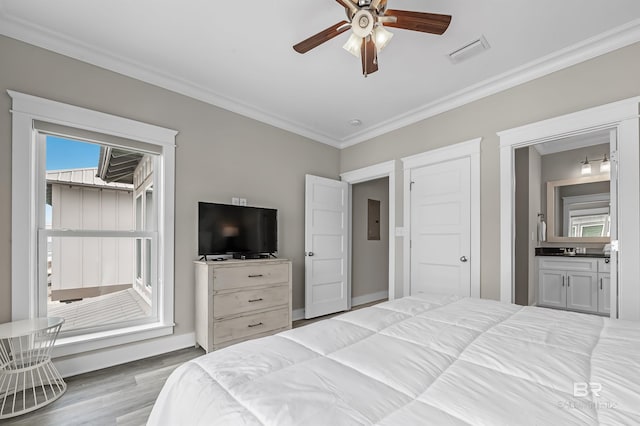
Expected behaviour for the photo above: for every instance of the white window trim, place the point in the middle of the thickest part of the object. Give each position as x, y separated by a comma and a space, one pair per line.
24, 231
468, 149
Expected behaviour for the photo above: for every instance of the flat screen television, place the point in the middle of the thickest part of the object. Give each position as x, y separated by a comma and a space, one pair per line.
229, 229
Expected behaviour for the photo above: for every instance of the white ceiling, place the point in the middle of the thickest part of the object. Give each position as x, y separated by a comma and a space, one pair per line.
238, 55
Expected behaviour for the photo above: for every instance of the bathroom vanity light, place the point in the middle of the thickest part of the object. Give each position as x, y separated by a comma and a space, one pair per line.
605, 165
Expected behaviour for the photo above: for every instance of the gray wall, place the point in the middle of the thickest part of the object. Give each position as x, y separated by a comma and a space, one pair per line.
219, 155
595, 82
566, 164
370, 259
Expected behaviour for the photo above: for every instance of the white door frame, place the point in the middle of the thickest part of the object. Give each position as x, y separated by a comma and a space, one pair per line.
365, 174
469, 149
621, 116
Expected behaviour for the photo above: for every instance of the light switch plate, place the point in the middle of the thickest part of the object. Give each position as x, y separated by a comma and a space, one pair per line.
243, 201
235, 201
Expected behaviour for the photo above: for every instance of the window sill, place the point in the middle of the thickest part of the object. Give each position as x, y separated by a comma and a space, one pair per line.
90, 342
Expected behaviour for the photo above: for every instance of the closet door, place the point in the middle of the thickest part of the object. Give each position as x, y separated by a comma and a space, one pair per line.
552, 288
441, 228
582, 291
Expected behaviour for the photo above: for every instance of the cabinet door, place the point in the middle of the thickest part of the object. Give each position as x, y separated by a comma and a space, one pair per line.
582, 291
604, 294
552, 288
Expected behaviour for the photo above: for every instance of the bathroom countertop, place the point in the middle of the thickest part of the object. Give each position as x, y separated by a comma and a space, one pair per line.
569, 252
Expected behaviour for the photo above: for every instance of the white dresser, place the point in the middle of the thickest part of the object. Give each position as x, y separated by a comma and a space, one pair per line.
239, 300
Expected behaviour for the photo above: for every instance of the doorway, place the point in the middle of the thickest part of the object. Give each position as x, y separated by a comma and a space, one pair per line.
370, 241
622, 118
344, 249
565, 201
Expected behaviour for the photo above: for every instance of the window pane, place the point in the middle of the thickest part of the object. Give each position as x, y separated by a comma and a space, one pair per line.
139, 213
93, 187
99, 282
149, 222
92, 282
139, 259
147, 262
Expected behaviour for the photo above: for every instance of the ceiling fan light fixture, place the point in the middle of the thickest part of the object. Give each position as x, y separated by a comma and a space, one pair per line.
381, 37
353, 45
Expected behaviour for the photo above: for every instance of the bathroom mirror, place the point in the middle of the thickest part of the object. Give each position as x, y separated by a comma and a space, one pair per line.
578, 210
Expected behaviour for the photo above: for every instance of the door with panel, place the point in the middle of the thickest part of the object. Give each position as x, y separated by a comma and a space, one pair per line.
582, 291
441, 228
552, 288
326, 246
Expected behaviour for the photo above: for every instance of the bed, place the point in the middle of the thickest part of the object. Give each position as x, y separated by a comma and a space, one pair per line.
423, 359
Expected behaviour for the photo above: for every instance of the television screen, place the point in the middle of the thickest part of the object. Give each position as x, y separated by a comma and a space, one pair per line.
227, 229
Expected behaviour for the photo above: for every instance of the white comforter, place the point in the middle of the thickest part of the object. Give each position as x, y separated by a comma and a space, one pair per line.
419, 360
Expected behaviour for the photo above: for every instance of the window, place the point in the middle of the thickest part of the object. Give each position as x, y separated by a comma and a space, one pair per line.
88, 204
97, 234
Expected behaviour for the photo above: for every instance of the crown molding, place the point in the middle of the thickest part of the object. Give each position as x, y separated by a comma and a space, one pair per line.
36, 35
22, 30
601, 44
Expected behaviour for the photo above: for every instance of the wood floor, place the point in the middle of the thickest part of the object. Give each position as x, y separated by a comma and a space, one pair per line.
122, 395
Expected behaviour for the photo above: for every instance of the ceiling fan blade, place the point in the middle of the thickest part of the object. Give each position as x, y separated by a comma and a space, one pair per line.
432, 23
326, 35
369, 56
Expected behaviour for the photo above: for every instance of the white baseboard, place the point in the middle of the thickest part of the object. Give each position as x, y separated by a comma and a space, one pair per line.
82, 363
371, 297
298, 314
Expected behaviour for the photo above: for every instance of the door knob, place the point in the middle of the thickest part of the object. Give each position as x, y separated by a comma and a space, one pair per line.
463, 259
310, 253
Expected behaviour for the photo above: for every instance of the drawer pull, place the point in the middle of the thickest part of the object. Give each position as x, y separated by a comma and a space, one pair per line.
256, 276
256, 300
254, 325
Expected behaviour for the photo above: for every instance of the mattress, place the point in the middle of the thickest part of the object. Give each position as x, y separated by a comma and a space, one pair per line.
424, 359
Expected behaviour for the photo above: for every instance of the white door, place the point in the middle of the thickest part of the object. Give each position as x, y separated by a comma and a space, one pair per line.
552, 288
325, 244
441, 228
582, 291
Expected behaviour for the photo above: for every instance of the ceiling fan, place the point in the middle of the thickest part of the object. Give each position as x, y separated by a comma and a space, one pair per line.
367, 19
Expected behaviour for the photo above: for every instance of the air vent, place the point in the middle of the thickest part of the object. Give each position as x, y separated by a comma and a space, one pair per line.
468, 50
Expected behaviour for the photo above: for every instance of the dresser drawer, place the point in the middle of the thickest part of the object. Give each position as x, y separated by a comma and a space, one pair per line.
240, 302
249, 325
249, 275
578, 264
